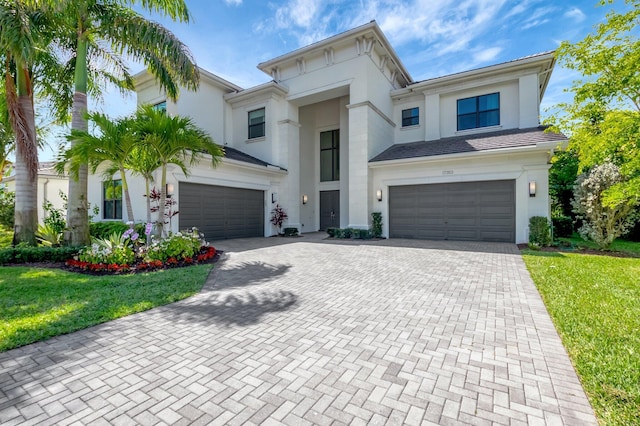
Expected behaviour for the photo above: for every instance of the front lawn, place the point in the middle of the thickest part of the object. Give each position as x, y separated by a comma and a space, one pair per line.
38, 303
594, 302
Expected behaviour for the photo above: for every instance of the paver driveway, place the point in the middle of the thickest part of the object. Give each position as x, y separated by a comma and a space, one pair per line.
301, 331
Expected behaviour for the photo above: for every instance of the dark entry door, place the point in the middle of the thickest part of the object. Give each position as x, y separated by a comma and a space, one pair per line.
329, 209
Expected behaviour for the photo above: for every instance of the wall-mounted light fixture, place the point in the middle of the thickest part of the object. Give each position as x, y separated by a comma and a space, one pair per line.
169, 189
379, 194
274, 197
305, 199
532, 188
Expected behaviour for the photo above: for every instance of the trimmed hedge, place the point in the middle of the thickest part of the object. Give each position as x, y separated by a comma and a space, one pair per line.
290, 232
105, 229
37, 254
346, 233
539, 231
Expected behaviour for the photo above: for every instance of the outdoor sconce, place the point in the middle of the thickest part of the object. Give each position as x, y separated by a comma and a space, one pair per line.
274, 197
305, 199
169, 189
532, 188
379, 194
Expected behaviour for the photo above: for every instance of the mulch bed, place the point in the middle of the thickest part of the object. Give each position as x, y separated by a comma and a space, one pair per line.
582, 250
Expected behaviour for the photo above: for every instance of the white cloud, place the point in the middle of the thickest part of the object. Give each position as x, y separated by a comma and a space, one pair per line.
487, 55
539, 17
300, 13
576, 14
233, 2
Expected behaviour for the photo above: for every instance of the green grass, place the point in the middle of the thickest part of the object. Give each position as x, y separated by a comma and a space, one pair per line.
617, 245
38, 303
594, 302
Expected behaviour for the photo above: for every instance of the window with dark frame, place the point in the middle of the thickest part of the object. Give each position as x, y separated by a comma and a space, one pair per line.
112, 199
479, 111
256, 123
410, 117
330, 156
161, 106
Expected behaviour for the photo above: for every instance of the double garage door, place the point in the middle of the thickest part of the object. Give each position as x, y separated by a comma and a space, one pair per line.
472, 211
221, 212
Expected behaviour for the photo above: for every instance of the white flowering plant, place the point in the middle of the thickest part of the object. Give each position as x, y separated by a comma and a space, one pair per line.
181, 245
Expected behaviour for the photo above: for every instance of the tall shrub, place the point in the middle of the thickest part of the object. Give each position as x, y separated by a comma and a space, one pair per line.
601, 224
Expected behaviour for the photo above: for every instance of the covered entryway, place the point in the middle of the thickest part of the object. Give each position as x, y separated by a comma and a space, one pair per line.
467, 211
221, 212
329, 209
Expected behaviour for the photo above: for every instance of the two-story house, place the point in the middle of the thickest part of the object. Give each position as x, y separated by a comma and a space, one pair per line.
342, 131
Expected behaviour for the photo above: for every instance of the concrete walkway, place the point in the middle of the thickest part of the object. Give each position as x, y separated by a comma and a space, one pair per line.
305, 331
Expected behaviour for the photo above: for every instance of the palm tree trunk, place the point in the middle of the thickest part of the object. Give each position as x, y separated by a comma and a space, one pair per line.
78, 204
22, 117
127, 196
146, 183
163, 201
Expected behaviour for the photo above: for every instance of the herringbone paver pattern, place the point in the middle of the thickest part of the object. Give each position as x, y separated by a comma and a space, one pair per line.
297, 331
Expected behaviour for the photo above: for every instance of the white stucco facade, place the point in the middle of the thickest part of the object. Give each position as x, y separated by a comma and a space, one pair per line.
355, 84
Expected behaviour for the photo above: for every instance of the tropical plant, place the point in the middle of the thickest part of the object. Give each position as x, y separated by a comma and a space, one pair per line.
105, 30
602, 223
116, 249
172, 140
49, 236
143, 163
180, 245
55, 218
113, 145
20, 41
278, 216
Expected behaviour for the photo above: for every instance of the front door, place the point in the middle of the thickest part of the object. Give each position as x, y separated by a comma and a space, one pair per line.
329, 209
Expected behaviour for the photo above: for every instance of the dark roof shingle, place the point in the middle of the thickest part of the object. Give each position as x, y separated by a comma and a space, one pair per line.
234, 154
513, 138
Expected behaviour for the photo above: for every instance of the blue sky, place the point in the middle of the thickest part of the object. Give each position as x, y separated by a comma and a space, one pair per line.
432, 37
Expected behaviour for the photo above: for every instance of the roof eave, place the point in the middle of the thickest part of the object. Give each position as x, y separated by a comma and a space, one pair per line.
538, 147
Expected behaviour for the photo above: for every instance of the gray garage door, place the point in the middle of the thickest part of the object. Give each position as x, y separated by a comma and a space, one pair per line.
471, 211
221, 212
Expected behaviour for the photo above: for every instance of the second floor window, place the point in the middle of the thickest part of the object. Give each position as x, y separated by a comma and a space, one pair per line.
330, 156
410, 117
112, 199
256, 123
479, 111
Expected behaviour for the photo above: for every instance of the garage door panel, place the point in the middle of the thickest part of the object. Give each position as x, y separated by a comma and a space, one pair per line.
221, 212
477, 211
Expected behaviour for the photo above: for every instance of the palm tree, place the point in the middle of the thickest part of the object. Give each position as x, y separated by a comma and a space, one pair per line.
20, 44
143, 162
7, 139
113, 146
100, 23
173, 140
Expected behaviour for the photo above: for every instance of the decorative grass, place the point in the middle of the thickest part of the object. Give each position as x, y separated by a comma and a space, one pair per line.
38, 303
594, 302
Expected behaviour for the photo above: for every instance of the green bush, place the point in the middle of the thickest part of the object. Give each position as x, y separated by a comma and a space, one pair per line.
539, 231
332, 232
362, 234
7, 204
376, 224
102, 230
27, 254
290, 232
178, 246
562, 226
